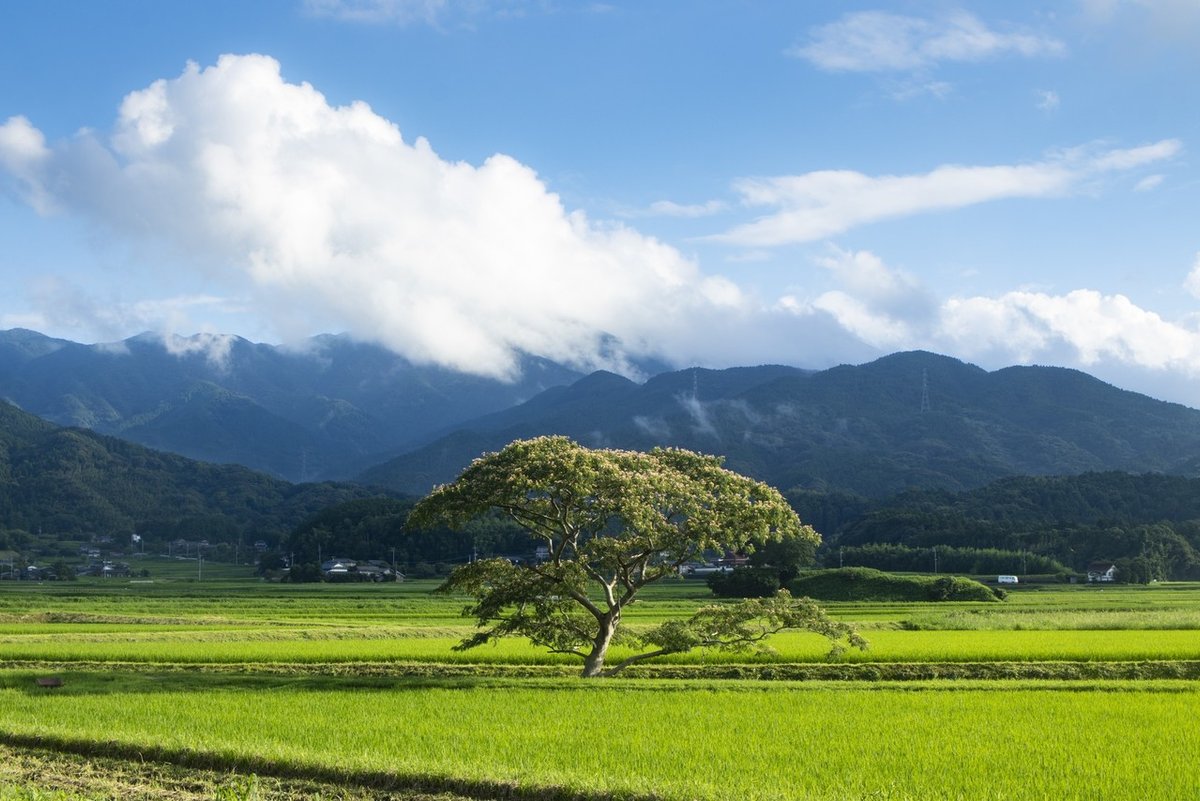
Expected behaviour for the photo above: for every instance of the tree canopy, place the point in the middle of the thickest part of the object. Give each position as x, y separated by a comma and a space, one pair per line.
613, 521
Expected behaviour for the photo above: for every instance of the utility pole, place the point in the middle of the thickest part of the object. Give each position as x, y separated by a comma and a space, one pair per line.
935, 562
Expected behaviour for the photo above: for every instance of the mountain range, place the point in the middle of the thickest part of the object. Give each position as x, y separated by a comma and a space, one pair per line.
336, 408
907, 420
326, 409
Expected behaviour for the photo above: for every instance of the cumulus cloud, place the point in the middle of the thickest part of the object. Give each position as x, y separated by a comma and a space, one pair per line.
879, 41
1093, 326
821, 204
23, 151
323, 217
1082, 327
883, 306
326, 217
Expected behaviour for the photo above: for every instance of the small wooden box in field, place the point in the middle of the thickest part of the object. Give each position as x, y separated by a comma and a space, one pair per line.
49, 681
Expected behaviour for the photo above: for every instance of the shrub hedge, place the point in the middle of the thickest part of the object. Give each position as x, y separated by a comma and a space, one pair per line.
868, 584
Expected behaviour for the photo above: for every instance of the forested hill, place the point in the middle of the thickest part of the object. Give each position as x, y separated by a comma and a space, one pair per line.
908, 420
1149, 524
66, 481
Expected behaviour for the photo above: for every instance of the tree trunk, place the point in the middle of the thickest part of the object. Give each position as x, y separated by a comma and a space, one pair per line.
593, 664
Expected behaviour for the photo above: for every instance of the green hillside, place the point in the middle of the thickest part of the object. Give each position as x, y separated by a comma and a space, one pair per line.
71, 482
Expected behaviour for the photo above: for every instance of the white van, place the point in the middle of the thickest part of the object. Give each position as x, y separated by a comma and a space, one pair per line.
1006, 579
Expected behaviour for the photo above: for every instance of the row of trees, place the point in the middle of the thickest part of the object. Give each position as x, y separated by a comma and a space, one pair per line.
944, 559
1149, 522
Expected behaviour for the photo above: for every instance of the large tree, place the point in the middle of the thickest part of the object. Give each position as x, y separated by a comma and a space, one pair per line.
614, 521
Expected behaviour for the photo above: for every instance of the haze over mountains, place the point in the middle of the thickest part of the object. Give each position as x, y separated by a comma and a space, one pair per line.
338, 407
327, 410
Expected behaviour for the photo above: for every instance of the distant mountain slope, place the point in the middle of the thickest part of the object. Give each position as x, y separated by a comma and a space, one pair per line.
70, 481
324, 411
907, 420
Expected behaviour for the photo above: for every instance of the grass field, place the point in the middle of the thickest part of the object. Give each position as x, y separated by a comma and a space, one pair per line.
244, 707
728, 741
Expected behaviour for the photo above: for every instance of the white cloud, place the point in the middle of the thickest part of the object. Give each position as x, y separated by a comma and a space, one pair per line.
327, 219
667, 208
428, 12
1192, 282
1093, 327
1133, 157
1149, 183
878, 41
214, 347
1160, 20
64, 308
907, 90
1048, 100
889, 311
23, 151
818, 205
882, 306
400, 12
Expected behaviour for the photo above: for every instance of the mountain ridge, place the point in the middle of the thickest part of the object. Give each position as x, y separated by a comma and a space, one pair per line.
334, 405
913, 419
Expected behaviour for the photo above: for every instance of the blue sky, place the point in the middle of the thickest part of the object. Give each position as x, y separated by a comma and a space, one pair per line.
711, 183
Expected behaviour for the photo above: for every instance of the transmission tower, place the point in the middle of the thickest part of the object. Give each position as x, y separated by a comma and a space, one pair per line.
924, 391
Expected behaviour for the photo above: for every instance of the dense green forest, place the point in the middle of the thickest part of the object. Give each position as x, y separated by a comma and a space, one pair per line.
375, 528
1149, 525
70, 484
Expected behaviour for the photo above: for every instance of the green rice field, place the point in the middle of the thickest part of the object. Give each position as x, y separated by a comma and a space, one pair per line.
684, 741
303, 645
207, 677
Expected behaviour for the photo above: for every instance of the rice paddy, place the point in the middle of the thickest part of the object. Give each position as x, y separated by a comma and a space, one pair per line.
243, 706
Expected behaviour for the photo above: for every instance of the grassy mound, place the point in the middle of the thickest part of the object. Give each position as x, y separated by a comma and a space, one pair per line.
867, 584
